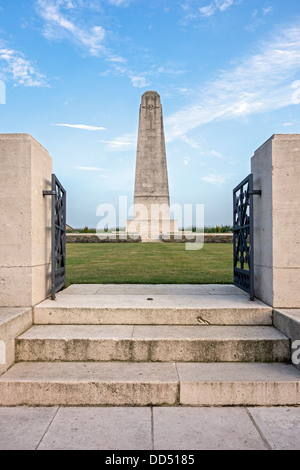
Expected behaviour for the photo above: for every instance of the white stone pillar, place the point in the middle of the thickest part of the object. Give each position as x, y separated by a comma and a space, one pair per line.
151, 191
25, 221
276, 171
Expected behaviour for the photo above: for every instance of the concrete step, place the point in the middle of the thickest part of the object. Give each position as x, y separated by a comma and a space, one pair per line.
175, 308
142, 384
153, 343
13, 321
288, 322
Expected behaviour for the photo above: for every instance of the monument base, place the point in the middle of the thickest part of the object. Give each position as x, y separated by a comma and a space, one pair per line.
151, 230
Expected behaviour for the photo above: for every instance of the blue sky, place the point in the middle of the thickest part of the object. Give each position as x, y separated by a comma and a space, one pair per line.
227, 71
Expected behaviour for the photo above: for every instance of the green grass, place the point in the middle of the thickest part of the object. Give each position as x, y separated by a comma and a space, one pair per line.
148, 263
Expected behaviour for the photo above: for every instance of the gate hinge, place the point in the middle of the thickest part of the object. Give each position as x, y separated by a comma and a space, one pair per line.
255, 192
49, 193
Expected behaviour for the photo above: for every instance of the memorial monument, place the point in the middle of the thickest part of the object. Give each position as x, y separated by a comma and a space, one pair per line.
151, 194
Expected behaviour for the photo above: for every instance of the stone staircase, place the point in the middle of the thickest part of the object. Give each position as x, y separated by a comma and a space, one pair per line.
151, 345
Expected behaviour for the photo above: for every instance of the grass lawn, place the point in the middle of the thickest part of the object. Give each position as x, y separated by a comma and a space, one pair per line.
148, 263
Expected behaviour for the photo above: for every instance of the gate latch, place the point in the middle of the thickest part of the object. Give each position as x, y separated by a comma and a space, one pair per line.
49, 193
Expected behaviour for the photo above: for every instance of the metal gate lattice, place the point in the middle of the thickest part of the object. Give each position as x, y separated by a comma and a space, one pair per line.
243, 235
58, 235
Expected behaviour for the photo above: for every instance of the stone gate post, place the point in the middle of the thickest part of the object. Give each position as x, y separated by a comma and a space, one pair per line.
276, 171
25, 221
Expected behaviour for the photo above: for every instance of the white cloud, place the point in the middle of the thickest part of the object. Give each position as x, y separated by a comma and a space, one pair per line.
258, 19
261, 82
59, 26
62, 21
89, 168
81, 126
20, 70
121, 144
139, 81
222, 5
116, 143
118, 3
207, 11
119, 60
287, 124
214, 153
267, 10
169, 71
217, 180
190, 142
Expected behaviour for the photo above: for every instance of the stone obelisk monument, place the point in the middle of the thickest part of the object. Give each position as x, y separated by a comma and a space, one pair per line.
151, 194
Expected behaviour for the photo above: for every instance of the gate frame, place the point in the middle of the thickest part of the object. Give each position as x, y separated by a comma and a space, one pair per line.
58, 235
242, 228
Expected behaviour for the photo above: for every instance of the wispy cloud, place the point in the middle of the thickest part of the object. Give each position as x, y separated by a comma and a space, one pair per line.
258, 19
190, 142
216, 154
267, 10
118, 3
205, 11
81, 126
58, 26
217, 180
261, 82
121, 144
169, 70
19, 69
89, 168
142, 79
208, 10
62, 21
118, 60
139, 81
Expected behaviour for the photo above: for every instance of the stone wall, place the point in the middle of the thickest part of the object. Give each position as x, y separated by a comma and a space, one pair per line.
93, 238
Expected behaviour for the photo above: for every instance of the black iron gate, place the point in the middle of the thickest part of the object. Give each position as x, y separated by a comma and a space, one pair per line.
243, 236
58, 235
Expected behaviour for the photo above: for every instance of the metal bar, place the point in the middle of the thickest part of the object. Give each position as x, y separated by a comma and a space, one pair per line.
255, 192
234, 233
64, 235
242, 277
48, 193
243, 234
53, 257
58, 235
251, 267
245, 181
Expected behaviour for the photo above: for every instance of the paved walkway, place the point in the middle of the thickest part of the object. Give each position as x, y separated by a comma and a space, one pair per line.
150, 428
